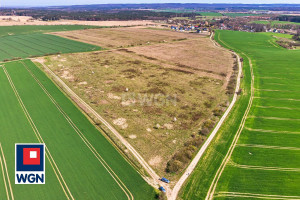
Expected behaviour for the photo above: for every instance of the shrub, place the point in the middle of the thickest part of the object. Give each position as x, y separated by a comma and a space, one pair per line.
208, 124
162, 196
218, 111
173, 166
204, 131
239, 92
296, 37
184, 155
208, 104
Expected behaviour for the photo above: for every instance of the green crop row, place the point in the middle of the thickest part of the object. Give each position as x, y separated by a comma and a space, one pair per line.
89, 164
30, 45
29, 29
270, 137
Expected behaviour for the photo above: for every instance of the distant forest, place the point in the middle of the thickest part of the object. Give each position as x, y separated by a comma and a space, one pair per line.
94, 15
141, 11
289, 18
194, 6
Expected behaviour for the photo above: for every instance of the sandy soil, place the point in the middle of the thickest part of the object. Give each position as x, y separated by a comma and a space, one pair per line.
20, 19
24, 20
124, 37
176, 50
190, 54
129, 111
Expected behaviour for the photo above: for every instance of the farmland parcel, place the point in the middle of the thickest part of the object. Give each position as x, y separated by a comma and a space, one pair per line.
80, 162
121, 84
256, 165
30, 45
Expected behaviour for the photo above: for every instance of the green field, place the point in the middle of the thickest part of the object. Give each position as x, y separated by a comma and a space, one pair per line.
277, 35
82, 164
175, 10
284, 22
266, 158
261, 22
199, 182
36, 44
210, 14
239, 14
18, 30
273, 23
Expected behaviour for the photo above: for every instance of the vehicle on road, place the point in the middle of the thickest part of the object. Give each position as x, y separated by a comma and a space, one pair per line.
161, 188
163, 179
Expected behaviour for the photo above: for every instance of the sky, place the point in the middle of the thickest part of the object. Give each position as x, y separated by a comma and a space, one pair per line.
7, 3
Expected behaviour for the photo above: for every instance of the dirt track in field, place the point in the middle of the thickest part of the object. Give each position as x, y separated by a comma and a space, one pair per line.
196, 159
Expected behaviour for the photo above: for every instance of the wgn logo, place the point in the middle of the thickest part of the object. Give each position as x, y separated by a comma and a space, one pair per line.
30, 164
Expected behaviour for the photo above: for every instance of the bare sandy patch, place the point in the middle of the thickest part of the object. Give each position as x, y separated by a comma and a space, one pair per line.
66, 75
155, 161
82, 83
112, 96
168, 126
39, 59
132, 136
128, 102
121, 122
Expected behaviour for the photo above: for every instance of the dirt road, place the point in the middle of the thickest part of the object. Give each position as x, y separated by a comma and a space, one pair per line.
211, 191
149, 170
171, 194
195, 161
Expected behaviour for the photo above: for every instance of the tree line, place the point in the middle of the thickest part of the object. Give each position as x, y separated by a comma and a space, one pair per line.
98, 15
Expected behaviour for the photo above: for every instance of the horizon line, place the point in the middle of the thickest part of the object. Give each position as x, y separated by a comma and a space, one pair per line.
39, 6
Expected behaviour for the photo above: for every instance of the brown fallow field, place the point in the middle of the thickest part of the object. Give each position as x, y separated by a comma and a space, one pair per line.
163, 94
123, 37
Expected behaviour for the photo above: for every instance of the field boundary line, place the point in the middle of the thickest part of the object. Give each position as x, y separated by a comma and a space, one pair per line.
270, 90
266, 168
202, 150
4, 178
280, 84
226, 159
273, 118
28, 36
275, 107
8, 180
40, 139
271, 131
15, 48
280, 99
25, 45
2, 157
274, 44
271, 77
139, 158
10, 55
257, 196
81, 135
268, 147
66, 43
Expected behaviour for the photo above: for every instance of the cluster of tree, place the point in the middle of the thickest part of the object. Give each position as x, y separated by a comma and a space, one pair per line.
297, 35
289, 18
99, 15
182, 157
183, 6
